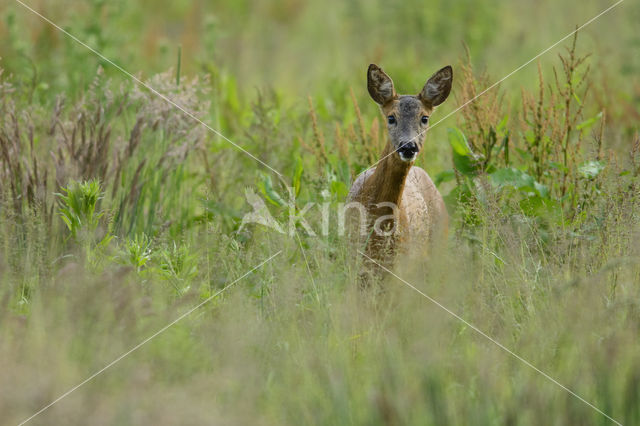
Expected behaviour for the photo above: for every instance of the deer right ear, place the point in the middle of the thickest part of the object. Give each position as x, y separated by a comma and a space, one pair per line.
380, 85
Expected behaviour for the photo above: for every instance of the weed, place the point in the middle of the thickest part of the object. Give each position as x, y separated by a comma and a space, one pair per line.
77, 209
542, 186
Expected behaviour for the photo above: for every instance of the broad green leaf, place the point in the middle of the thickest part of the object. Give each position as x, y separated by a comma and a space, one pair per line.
512, 177
463, 158
519, 180
541, 207
591, 169
541, 189
589, 122
445, 176
266, 187
458, 141
558, 166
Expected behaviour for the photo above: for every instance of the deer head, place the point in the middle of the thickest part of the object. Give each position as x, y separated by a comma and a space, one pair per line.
407, 116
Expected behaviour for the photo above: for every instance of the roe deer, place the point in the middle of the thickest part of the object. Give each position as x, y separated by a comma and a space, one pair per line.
400, 201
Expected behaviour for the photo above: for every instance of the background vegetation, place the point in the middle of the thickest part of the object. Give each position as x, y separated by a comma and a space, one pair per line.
119, 213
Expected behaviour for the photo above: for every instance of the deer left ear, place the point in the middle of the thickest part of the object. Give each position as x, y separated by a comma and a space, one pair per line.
437, 88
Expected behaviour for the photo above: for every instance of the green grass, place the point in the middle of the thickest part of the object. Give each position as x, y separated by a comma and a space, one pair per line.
542, 254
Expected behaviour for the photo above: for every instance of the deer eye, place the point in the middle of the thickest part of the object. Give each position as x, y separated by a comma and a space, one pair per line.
425, 119
391, 119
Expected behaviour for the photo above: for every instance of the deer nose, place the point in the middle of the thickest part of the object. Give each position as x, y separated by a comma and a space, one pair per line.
408, 149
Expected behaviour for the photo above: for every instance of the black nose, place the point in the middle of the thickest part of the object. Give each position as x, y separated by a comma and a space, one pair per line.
408, 149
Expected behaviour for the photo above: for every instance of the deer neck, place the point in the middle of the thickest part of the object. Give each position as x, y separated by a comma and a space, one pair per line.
389, 178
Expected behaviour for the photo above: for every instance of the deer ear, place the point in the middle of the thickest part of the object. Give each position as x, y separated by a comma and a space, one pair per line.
380, 85
438, 87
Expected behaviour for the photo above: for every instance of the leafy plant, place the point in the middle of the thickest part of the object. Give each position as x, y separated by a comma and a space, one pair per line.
178, 265
546, 177
77, 207
137, 252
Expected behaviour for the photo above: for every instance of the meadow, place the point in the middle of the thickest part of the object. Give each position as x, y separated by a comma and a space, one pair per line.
120, 214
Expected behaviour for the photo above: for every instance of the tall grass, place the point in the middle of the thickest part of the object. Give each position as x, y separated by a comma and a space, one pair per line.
541, 182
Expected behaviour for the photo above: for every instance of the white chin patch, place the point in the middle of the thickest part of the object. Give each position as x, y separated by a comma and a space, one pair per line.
409, 158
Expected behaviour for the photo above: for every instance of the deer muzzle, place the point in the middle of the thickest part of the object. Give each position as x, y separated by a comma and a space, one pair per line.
408, 151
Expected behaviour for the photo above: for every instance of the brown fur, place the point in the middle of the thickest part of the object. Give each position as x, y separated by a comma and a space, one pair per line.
421, 214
